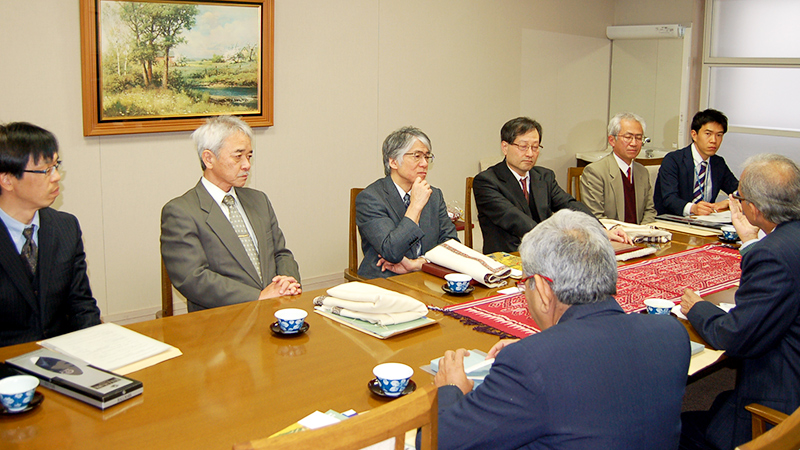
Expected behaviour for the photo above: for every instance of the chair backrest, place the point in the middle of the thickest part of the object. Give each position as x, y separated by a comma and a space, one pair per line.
351, 272
784, 436
166, 293
574, 177
415, 410
468, 213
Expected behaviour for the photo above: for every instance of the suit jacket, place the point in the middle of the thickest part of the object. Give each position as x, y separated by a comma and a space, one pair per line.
675, 182
385, 231
603, 193
591, 381
61, 300
504, 214
204, 257
763, 332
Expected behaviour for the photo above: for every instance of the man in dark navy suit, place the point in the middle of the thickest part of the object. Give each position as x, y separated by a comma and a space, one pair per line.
44, 290
763, 331
690, 179
595, 377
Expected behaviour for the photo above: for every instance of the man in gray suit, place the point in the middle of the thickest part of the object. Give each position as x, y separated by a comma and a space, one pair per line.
401, 216
617, 187
220, 241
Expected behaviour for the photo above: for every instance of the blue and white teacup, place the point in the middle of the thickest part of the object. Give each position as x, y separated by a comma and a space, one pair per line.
290, 319
729, 233
393, 377
457, 282
16, 392
658, 306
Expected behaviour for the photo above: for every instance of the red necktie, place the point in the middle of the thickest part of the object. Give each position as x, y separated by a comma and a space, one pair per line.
524, 183
630, 178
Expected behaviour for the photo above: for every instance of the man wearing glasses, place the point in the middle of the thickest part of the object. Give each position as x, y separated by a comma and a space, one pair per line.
514, 195
44, 289
690, 179
616, 187
590, 379
401, 216
762, 333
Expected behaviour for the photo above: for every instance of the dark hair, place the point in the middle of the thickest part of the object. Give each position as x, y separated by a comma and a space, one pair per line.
517, 127
21, 142
708, 116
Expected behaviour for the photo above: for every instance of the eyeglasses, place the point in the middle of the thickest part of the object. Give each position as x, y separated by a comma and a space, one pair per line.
525, 148
738, 196
627, 138
48, 171
417, 156
521, 284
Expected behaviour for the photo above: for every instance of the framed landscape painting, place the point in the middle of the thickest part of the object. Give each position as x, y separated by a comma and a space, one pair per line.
153, 66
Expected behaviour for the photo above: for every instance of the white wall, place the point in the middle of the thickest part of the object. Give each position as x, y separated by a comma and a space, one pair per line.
346, 74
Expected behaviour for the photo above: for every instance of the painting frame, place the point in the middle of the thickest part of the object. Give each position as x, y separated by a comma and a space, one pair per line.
91, 68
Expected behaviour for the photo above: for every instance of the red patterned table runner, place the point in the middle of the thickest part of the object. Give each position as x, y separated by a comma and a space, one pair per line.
706, 270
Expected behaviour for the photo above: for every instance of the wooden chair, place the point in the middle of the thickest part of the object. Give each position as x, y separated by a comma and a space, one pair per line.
468, 213
574, 177
784, 436
166, 293
351, 272
394, 419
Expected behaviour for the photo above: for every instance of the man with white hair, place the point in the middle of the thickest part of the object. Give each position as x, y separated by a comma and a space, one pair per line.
220, 241
763, 331
617, 187
401, 216
595, 377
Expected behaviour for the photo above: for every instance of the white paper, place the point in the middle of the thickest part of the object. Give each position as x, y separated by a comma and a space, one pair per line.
107, 346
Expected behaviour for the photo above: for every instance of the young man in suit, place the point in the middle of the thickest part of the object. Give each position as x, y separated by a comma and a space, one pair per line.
220, 241
44, 289
690, 179
514, 195
763, 331
401, 216
617, 187
587, 380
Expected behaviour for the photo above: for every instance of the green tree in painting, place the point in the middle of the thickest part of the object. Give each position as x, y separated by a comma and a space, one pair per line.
170, 21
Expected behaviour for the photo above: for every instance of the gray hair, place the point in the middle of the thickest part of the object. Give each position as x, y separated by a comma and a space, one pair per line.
772, 183
573, 250
212, 134
614, 124
399, 142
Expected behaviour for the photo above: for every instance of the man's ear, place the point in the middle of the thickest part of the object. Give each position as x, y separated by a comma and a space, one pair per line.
545, 294
5, 181
393, 164
208, 158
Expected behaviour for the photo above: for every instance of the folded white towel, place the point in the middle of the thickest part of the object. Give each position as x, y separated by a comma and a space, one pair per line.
456, 256
371, 303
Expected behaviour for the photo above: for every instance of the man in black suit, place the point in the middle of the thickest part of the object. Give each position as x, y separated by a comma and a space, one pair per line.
690, 179
514, 195
763, 331
44, 290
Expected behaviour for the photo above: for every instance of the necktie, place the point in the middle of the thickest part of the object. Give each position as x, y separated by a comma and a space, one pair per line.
241, 230
524, 183
406, 200
418, 246
30, 253
630, 176
700, 185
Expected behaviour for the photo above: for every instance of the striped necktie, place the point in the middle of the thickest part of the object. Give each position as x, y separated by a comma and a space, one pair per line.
241, 230
30, 253
700, 184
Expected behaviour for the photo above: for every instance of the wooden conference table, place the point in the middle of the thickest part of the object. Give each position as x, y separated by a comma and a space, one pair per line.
237, 381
